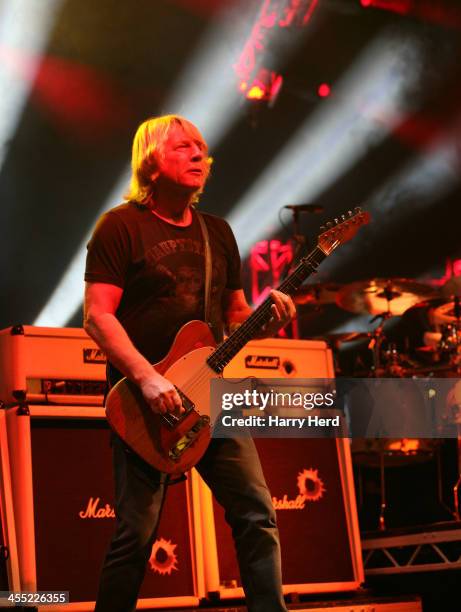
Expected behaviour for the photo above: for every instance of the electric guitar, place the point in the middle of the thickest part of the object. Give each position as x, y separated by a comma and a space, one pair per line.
174, 444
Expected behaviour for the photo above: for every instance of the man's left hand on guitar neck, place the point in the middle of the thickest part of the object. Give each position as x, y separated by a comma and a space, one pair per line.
237, 310
283, 311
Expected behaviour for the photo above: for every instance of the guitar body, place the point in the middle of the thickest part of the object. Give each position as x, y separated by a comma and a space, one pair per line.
171, 449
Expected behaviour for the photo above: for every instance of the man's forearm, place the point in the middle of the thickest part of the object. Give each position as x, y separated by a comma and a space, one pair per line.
109, 335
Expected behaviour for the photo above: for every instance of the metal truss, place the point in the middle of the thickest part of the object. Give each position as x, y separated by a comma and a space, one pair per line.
437, 549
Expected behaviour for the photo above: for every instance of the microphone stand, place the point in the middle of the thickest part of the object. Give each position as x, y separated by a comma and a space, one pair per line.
300, 240
301, 246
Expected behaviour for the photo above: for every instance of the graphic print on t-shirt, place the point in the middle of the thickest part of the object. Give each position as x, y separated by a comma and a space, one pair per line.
178, 265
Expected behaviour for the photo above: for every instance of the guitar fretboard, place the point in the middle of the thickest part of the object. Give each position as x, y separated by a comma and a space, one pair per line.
249, 329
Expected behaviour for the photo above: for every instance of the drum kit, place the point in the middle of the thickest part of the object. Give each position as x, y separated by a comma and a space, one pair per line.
387, 299
434, 351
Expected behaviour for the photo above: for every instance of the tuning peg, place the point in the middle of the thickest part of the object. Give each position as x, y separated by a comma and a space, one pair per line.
329, 224
357, 210
343, 217
350, 213
336, 221
323, 228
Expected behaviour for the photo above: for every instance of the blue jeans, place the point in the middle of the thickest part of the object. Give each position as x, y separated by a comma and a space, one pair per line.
232, 470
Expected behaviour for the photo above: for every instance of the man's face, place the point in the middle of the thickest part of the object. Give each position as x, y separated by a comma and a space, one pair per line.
183, 162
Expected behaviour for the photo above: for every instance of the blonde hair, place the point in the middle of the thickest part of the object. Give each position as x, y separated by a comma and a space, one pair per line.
148, 145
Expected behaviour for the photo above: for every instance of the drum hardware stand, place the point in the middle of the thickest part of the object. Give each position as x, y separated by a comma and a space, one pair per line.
378, 335
456, 513
377, 338
382, 491
457, 313
455, 360
375, 344
383, 504
456, 357
437, 454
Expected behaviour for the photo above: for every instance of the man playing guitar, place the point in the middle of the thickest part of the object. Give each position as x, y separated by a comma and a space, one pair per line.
145, 280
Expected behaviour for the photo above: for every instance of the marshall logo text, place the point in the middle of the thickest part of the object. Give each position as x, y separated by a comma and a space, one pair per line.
93, 355
266, 362
95, 510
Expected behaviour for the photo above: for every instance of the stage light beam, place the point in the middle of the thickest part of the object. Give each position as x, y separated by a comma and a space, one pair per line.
66, 299
24, 30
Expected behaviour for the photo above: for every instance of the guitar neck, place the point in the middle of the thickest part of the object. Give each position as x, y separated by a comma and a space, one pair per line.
250, 328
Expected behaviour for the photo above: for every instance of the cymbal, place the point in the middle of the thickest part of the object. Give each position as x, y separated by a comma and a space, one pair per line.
445, 313
317, 293
380, 295
340, 337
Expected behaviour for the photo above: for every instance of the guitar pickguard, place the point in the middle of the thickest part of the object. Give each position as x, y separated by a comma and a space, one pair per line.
192, 376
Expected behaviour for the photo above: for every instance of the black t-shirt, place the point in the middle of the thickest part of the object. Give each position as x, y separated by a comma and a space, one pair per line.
161, 269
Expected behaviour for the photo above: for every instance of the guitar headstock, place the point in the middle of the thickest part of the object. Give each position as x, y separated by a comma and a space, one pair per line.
342, 230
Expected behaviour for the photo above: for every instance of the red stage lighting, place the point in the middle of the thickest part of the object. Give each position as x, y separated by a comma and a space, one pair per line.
324, 90
434, 11
273, 16
265, 86
401, 7
256, 93
269, 261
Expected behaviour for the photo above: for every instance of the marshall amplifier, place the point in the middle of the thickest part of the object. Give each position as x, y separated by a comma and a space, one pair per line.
280, 358
65, 514
50, 365
312, 490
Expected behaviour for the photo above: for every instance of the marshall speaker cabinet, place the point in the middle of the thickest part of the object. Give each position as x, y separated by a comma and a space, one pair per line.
65, 517
311, 484
312, 490
61, 477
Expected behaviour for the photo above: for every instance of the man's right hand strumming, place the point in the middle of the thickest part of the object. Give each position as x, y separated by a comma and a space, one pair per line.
161, 394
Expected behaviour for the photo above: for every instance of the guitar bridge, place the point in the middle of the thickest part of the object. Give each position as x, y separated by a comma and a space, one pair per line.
188, 439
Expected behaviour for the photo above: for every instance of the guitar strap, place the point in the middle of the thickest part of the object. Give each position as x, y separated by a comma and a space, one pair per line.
207, 251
